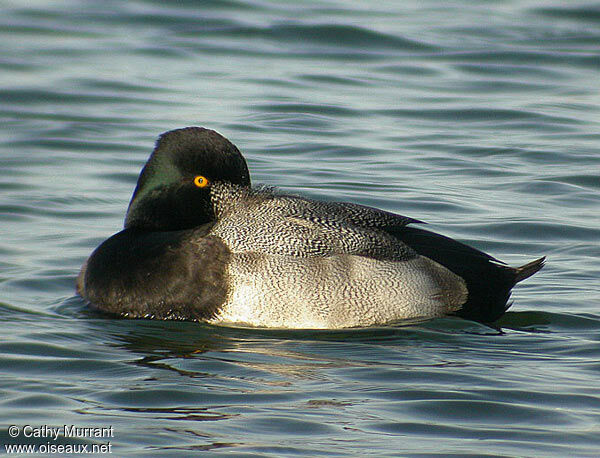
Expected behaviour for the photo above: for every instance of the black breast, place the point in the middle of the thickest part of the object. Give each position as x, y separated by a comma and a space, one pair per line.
164, 275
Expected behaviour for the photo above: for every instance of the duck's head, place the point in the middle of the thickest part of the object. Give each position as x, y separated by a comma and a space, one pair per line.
173, 189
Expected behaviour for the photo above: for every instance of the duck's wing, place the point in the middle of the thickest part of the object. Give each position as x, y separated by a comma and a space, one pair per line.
427, 243
353, 228
294, 226
352, 214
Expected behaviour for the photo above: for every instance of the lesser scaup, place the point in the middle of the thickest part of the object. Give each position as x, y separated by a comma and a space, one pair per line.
200, 243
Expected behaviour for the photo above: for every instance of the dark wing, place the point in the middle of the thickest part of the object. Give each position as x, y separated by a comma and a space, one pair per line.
350, 228
351, 214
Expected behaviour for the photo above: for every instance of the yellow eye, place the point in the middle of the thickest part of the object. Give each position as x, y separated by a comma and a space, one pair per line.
201, 182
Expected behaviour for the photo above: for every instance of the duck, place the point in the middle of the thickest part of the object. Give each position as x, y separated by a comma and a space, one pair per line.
201, 243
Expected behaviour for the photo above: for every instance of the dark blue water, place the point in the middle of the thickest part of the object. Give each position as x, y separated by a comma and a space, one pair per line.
481, 118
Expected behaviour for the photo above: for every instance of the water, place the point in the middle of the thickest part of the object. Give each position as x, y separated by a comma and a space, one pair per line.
481, 118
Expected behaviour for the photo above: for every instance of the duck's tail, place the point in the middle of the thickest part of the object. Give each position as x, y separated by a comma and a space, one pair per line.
527, 270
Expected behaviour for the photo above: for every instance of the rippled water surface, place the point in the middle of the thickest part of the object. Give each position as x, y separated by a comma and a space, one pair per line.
481, 118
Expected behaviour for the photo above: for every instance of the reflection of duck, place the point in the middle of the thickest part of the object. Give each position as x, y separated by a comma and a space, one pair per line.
199, 243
